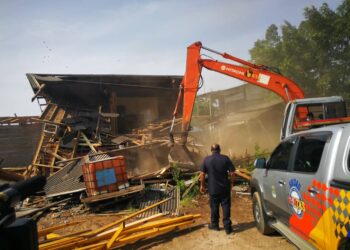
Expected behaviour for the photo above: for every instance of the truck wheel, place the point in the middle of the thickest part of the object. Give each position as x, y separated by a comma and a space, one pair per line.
261, 219
344, 244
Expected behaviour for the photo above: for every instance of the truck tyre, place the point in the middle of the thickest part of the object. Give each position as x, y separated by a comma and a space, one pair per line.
344, 244
260, 217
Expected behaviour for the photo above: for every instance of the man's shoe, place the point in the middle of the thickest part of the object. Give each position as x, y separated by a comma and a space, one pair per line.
213, 227
229, 231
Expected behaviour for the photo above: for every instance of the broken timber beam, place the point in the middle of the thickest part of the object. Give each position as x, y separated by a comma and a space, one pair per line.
55, 155
46, 166
100, 197
110, 151
88, 142
38, 92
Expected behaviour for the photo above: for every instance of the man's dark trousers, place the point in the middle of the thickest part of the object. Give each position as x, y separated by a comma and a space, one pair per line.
225, 201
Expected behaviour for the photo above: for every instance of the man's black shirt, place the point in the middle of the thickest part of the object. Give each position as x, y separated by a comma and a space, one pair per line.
217, 167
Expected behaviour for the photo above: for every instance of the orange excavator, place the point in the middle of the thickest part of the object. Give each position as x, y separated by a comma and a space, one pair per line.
329, 110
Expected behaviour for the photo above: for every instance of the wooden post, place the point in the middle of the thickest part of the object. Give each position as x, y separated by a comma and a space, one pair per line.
113, 109
75, 145
97, 131
88, 142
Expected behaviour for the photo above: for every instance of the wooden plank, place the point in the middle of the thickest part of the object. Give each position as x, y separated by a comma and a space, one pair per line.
39, 91
113, 109
46, 231
161, 223
40, 144
123, 237
52, 160
51, 111
75, 145
96, 144
168, 127
51, 236
49, 122
55, 155
112, 151
88, 142
47, 166
100, 245
136, 223
154, 174
102, 239
127, 217
7, 175
130, 190
65, 236
61, 243
115, 235
151, 233
60, 115
104, 236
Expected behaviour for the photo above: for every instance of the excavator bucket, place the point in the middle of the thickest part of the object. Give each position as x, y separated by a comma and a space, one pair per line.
179, 156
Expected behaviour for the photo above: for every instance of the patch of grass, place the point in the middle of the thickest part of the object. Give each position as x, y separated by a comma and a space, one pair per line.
180, 183
187, 202
177, 178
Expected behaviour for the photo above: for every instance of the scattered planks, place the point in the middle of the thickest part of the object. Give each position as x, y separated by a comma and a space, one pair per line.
31, 212
116, 234
156, 174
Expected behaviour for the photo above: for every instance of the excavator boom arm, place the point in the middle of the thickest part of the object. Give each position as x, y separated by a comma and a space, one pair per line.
251, 73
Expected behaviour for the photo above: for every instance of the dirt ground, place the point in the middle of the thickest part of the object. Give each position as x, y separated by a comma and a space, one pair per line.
197, 237
246, 235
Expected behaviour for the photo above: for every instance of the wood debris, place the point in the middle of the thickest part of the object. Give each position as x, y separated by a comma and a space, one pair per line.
70, 134
115, 234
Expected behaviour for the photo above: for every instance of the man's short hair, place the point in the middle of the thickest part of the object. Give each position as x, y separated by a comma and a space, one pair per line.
215, 148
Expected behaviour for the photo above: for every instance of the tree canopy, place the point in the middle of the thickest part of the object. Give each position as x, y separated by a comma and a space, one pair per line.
316, 54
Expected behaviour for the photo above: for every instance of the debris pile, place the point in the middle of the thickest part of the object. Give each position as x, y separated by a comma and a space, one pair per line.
67, 139
116, 234
98, 158
93, 114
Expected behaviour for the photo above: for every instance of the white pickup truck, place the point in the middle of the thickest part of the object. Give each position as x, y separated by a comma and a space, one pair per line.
303, 189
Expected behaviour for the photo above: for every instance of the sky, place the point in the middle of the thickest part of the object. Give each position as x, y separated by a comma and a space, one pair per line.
147, 37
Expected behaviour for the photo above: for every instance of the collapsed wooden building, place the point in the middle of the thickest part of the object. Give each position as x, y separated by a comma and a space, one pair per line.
84, 114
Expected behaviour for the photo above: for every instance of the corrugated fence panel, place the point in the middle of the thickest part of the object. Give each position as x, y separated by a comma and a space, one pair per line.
18, 144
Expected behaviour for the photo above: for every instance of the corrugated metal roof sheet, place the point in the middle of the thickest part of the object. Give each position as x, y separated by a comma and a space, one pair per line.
67, 180
153, 196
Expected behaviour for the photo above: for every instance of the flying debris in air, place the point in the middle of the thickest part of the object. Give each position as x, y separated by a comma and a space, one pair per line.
46, 57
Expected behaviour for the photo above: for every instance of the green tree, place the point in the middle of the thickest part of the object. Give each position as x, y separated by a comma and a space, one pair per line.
316, 54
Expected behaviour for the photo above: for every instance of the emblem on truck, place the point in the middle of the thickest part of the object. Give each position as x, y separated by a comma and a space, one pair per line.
295, 199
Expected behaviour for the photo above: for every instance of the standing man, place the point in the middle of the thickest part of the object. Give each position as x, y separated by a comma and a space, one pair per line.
220, 171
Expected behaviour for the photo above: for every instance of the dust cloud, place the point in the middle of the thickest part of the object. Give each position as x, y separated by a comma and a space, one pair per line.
242, 138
